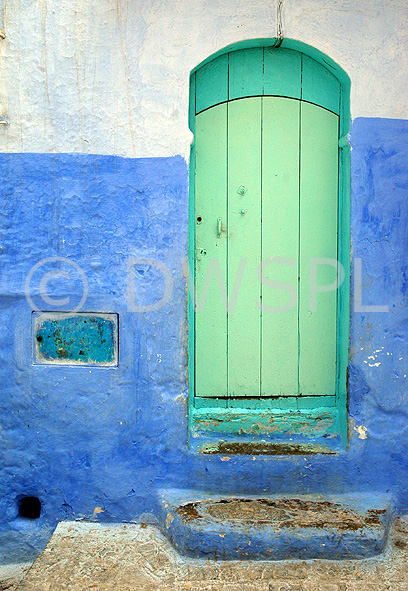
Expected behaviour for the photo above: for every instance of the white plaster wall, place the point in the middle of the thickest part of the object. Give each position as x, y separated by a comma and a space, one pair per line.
112, 76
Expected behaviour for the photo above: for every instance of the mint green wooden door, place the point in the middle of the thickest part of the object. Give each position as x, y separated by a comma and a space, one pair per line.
266, 177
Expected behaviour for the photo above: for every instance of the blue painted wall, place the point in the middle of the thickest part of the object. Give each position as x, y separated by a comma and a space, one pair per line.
84, 438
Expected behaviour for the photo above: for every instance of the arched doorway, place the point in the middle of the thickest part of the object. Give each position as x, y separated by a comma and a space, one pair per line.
268, 221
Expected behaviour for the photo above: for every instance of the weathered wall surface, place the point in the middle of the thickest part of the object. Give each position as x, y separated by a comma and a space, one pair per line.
112, 78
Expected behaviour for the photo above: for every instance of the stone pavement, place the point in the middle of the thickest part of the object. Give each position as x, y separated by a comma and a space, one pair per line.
129, 557
12, 574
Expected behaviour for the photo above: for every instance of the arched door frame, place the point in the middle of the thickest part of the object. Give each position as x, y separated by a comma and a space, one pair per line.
196, 433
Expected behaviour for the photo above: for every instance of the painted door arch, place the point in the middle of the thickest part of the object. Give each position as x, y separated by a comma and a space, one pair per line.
268, 220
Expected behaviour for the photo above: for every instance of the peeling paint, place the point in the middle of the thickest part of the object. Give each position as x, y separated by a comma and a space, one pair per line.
315, 423
362, 431
169, 519
181, 399
76, 339
276, 527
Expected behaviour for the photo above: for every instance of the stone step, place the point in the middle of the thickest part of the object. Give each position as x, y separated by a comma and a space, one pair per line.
222, 527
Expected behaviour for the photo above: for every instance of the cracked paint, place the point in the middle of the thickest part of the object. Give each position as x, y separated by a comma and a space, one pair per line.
362, 431
169, 519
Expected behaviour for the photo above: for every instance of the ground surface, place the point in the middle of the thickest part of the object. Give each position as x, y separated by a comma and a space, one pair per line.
12, 574
88, 556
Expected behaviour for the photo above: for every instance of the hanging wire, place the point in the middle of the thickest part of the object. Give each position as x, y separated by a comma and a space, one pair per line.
279, 23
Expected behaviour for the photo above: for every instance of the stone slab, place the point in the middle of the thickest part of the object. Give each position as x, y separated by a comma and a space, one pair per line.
275, 527
128, 557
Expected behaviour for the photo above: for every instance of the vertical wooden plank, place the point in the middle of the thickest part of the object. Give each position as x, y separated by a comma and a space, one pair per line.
210, 204
280, 231
318, 239
282, 72
244, 245
343, 300
246, 73
319, 86
190, 284
191, 259
212, 83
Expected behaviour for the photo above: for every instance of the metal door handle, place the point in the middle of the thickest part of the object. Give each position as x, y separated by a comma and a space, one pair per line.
219, 227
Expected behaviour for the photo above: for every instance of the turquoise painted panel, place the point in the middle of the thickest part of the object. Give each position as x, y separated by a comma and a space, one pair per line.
191, 279
77, 339
246, 74
319, 86
318, 250
192, 103
201, 402
282, 72
318, 422
212, 84
265, 71
343, 300
305, 402
255, 71
280, 242
211, 252
244, 246
263, 403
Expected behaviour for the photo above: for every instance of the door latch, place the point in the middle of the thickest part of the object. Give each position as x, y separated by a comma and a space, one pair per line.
219, 227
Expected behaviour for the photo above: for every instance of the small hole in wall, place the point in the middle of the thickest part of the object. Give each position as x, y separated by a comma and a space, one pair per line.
199, 219
29, 508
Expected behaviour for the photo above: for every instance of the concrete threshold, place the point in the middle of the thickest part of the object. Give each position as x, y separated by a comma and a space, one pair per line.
276, 527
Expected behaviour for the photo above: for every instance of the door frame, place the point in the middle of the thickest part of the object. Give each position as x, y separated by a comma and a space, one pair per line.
209, 420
